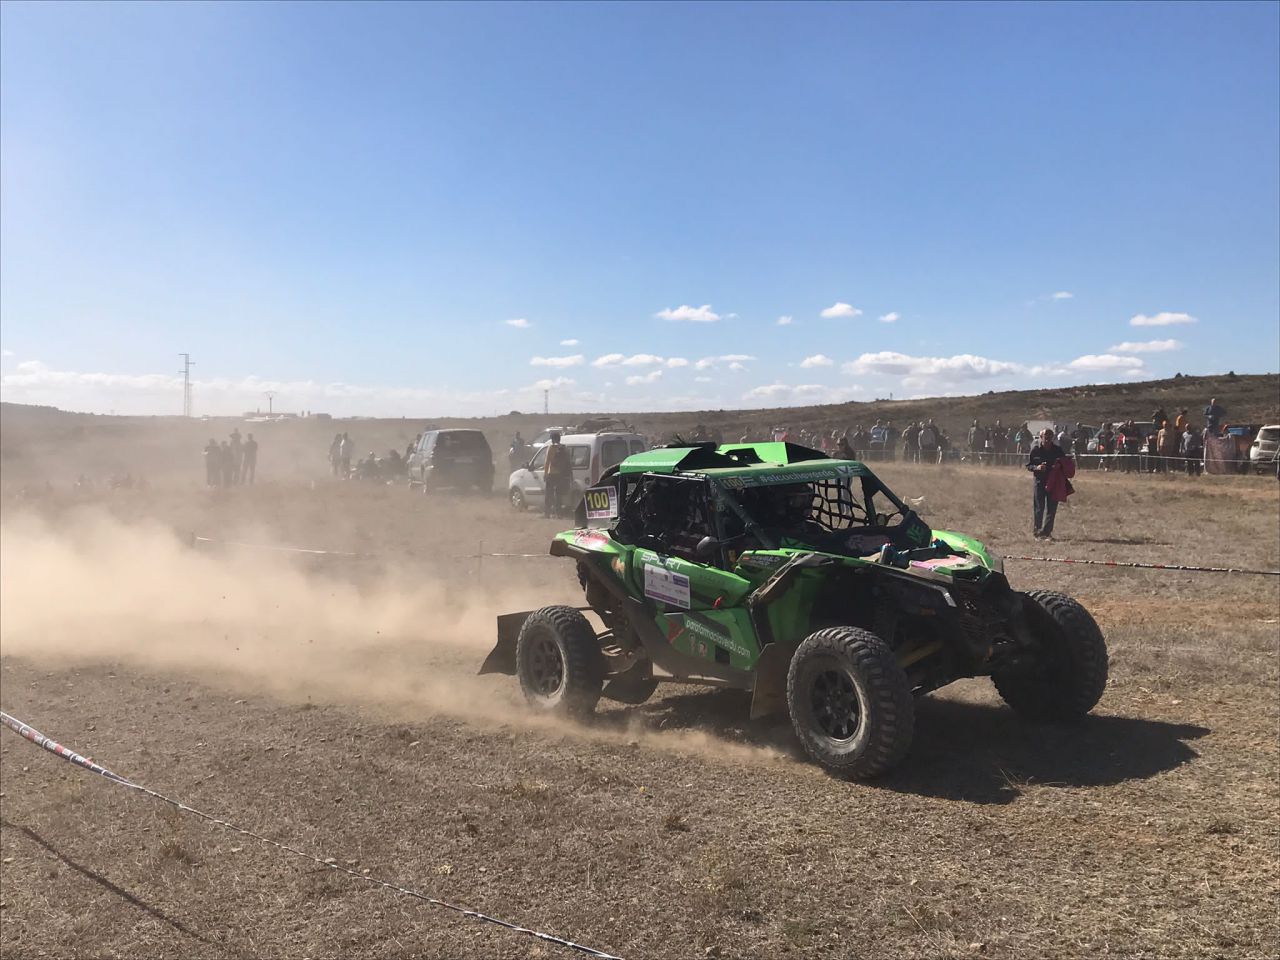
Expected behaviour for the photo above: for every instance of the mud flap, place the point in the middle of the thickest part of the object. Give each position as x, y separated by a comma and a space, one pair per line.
502, 659
770, 692
633, 686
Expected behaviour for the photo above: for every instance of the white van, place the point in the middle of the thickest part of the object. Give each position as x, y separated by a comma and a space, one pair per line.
590, 454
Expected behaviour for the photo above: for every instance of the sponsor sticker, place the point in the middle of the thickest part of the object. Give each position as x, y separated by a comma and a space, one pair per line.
602, 503
590, 538
665, 586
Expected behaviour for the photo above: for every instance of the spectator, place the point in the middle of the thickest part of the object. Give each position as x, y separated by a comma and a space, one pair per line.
1080, 440
928, 441
1213, 415
977, 442
1169, 442
227, 464
249, 460
335, 453
998, 441
1045, 464
876, 444
346, 448
1192, 450
1159, 417
1105, 446
212, 464
1022, 439
911, 443
555, 477
890, 441
861, 442
237, 455
843, 450
1181, 421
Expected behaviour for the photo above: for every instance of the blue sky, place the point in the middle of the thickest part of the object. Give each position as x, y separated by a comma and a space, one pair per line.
351, 205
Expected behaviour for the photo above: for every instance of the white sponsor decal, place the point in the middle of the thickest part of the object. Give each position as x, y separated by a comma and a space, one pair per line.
672, 588
602, 503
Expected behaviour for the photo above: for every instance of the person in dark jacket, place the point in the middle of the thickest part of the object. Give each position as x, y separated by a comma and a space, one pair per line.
1041, 460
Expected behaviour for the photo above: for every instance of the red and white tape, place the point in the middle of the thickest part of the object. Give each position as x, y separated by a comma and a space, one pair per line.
1147, 566
39, 739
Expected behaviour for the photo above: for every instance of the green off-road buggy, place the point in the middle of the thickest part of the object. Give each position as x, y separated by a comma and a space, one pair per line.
771, 568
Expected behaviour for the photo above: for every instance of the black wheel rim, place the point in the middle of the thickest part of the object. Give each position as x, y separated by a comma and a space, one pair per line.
834, 699
546, 666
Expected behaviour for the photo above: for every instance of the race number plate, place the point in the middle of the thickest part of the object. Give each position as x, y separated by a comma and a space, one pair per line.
602, 503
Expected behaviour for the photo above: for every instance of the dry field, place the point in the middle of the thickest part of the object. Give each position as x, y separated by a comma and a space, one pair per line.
332, 703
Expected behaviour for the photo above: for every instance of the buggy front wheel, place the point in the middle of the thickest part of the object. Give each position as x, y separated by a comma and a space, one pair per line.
850, 702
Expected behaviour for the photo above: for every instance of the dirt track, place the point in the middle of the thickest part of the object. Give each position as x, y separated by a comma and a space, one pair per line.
332, 703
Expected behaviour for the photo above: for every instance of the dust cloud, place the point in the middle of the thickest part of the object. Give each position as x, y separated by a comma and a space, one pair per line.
93, 589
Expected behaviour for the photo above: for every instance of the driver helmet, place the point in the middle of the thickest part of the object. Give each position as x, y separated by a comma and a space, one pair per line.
795, 503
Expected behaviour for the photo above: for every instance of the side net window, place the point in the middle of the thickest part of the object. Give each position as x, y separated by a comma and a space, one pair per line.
835, 507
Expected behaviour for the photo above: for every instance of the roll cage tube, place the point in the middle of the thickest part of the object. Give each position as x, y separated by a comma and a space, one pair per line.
722, 496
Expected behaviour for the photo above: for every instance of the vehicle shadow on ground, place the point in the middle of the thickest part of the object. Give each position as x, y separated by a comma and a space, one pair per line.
983, 753
979, 753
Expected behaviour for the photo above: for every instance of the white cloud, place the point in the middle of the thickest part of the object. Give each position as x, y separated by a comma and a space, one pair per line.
576, 360
1161, 320
1062, 295
706, 363
650, 377
817, 360
736, 366
786, 320
1147, 346
684, 312
637, 360
520, 323
568, 343
925, 371
841, 310
554, 384
781, 394
6, 353
891, 317
702, 380
1104, 361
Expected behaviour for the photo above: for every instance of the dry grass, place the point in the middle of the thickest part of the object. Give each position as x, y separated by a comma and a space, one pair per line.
674, 829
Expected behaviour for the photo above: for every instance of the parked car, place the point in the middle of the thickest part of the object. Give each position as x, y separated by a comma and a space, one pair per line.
1265, 449
590, 455
459, 459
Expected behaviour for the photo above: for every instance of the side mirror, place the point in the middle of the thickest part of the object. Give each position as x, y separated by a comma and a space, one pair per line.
706, 548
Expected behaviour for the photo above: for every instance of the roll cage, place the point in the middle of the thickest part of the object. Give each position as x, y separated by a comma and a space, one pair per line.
676, 512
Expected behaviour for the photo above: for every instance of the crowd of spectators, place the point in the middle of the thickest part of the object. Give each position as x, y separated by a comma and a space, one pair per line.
1162, 444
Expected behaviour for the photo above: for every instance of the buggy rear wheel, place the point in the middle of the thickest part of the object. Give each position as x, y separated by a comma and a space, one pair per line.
558, 662
1067, 673
851, 703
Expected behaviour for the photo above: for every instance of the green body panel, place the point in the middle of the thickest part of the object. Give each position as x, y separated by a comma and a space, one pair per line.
975, 548
700, 633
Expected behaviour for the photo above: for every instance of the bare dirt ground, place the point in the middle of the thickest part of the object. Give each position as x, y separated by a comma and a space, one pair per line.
332, 703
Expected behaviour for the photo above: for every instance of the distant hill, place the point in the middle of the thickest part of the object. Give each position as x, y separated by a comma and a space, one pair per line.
39, 443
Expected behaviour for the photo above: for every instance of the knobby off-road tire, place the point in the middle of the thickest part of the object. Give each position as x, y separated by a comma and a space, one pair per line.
518, 503
1067, 678
558, 661
850, 702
